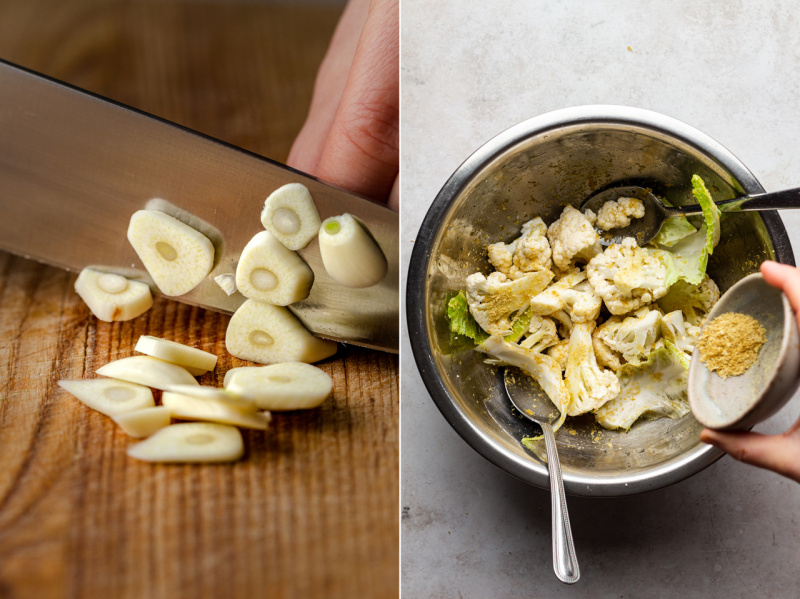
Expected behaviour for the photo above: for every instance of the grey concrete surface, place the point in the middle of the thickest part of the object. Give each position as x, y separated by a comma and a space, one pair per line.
471, 69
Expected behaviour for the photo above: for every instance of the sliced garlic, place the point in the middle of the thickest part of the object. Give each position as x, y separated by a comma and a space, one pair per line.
112, 297
191, 442
350, 256
143, 423
177, 256
268, 334
108, 396
214, 410
268, 272
147, 371
205, 392
227, 282
291, 216
196, 361
288, 386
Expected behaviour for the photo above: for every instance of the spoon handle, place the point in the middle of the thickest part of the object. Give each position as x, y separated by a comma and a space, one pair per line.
565, 563
777, 200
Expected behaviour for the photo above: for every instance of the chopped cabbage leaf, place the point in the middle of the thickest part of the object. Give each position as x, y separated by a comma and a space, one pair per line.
461, 320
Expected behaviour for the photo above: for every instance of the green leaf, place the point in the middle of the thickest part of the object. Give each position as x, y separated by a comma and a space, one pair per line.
710, 212
520, 326
461, 321
673, 230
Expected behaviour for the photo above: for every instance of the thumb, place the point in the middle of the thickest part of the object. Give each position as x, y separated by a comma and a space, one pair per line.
779, 453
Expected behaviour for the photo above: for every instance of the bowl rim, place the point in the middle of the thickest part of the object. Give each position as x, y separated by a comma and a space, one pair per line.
527, 469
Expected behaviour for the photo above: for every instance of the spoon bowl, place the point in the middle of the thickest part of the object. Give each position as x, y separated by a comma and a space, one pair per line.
532, 402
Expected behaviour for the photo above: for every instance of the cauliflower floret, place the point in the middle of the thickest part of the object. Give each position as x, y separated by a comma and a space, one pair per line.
634, 336
695, 301
572, 239
541, 334
627, 276
559, 353
679, 331
589, 385
572, 294
563, 322
494, 299
606, 356
529, 252
617, 214
540, 366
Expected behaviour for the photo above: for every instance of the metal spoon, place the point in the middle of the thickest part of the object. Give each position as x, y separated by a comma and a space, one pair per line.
646, 228
532, 402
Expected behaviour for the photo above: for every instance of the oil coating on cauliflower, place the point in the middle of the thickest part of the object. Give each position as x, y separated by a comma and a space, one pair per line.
589, 385
571, 294
529, 252
633, 336
627, 276
617, 214
572, 239
494, 299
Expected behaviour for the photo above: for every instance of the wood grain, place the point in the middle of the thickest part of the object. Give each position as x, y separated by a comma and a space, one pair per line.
312, 510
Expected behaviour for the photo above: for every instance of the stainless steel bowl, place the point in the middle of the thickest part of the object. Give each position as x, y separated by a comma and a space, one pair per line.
535, 169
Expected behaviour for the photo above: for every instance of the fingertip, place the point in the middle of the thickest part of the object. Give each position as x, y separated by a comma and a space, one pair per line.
709, 437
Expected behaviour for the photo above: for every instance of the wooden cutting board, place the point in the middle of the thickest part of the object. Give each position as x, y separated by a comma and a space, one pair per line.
312, 510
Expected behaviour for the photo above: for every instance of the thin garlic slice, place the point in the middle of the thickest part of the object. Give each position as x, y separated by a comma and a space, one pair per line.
143, 423
227, 282
108, 396
269, 334
214, 410
350, 256
112, 297
288, 386
198, 442
291, 216
268, 272
205, 392
196, 361
177, 256
147, 371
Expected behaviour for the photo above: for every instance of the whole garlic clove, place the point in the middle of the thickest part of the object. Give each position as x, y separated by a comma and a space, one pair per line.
109, 396
112, 297
269, 334
291, 216
143, 423
177, 256
268, 272
287, 386
196, 361
213, 410
147, 371
350, 256
191, 442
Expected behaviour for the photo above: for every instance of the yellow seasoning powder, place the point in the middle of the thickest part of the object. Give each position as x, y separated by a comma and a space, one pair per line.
730, 343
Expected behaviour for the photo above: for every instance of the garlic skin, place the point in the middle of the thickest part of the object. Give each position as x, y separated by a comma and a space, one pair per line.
112, 297
196, 361
288, 386
177, 256
191, 442
109, 396
143, 423
147, 371
350, 256
185, 407
291, 216
269, 334
227, 282
268, 272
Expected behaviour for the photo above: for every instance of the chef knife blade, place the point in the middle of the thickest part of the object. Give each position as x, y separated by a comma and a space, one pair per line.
75, 166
